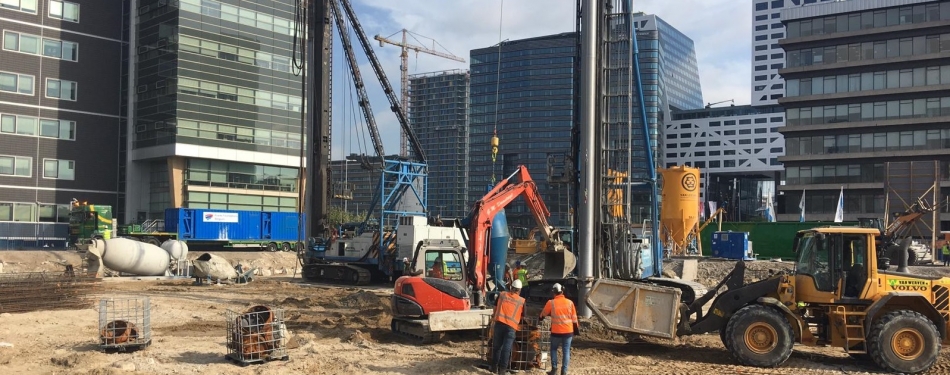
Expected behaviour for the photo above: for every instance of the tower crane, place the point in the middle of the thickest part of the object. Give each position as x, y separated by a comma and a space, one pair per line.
404, 70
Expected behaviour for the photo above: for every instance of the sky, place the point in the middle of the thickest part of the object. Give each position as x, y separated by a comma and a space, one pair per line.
720, 30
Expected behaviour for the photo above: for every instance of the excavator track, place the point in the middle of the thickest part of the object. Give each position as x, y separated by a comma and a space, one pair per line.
416, 330
337, 273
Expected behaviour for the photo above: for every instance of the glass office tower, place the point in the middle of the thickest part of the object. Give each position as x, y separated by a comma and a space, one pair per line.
535, 110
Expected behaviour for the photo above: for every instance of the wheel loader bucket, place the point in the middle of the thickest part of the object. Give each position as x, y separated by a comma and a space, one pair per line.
635, 307
558, 264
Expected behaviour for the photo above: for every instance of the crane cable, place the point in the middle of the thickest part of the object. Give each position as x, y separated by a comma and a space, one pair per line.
494, 138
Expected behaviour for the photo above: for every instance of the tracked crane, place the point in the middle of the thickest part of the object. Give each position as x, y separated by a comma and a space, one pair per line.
404, 70
368, 254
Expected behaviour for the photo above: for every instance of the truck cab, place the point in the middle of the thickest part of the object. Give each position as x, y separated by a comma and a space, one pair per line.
87, 222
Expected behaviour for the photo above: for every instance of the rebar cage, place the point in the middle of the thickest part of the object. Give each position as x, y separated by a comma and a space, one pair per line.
125, 323
530, 348
256, 335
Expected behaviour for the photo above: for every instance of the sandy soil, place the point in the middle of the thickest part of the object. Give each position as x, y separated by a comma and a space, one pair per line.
341, 330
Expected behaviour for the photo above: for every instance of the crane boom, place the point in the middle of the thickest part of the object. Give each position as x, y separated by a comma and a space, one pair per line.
364, 103
384, 81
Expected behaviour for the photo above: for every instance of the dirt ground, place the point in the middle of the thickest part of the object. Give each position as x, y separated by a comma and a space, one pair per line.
339, 330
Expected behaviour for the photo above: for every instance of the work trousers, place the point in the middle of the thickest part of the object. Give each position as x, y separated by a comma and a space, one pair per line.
565, 344
502, 339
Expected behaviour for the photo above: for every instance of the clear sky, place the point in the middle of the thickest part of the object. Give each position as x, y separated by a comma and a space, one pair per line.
720, 29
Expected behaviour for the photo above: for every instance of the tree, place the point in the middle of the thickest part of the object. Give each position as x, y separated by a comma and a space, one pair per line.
337, 216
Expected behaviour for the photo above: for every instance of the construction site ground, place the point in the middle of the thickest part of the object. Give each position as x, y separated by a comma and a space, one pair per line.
342, 330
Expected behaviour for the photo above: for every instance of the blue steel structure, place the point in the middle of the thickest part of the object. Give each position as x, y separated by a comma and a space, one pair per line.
651, 263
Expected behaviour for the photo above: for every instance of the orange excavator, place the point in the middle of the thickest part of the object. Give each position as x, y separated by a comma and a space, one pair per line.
447, 287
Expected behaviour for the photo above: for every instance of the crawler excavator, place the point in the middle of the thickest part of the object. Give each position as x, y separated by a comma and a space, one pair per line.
455, 297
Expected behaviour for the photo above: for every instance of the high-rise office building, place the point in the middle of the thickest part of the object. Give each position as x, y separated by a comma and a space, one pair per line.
767, 55
737, 148
217, 107
438, 112
677, 61
61, 101
866, 86
535, 100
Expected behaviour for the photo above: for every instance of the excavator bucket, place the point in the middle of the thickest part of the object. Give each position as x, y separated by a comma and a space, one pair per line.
558, 264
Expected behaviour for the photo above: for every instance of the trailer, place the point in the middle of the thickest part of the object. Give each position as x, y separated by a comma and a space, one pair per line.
208, 228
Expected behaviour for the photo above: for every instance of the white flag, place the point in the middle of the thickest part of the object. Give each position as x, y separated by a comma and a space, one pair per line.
801, 207
769, 210
712, 207
839, 213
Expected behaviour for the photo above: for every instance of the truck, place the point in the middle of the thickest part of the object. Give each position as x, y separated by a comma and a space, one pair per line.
209, 228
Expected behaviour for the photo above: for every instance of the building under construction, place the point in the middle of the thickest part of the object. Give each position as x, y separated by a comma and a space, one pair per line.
438, 113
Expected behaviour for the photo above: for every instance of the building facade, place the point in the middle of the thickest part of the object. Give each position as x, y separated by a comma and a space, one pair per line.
535, 97
767, 55
866, 85
669, 77
61, 102
736, 150
218, 109
438, 112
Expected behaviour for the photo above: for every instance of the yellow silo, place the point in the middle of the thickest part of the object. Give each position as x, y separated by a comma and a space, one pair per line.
679, 216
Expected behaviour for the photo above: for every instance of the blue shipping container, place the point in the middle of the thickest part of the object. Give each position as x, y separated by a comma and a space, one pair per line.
731, 245
230, 225
285, 226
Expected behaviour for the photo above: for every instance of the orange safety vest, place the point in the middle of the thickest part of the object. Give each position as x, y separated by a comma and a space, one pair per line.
509, 309
562, 313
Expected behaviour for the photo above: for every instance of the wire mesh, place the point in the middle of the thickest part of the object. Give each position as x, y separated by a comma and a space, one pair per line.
34, 291
256, 335
125, 323
530, 348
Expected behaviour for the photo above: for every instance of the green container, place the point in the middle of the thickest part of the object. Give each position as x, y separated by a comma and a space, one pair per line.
769, 240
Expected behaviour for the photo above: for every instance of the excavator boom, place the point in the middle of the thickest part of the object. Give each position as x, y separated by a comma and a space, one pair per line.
518, 184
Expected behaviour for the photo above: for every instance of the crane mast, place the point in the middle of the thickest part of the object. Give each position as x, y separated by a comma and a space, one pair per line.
316, 86
404, 73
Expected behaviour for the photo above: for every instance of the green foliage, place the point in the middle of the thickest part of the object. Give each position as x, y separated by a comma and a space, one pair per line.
337, 216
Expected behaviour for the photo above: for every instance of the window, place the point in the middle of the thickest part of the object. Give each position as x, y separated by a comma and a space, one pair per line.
60, 89
28, 6
64, 10
59, 169
16, 83
761, 78
762, 6
13, 41
31, 126
60, 49
16, 166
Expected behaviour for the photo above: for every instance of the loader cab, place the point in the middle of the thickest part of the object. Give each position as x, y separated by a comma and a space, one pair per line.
833, 265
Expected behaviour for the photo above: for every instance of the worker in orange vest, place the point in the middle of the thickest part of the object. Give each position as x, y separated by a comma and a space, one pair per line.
506, 317
563, 327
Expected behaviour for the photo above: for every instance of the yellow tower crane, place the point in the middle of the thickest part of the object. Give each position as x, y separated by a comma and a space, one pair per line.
404, 69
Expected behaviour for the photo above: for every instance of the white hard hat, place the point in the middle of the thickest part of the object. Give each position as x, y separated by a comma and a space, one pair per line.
557, 288
516, 284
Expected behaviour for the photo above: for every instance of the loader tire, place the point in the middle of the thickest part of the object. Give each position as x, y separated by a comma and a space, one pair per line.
722, 336
904, 341
759, 336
